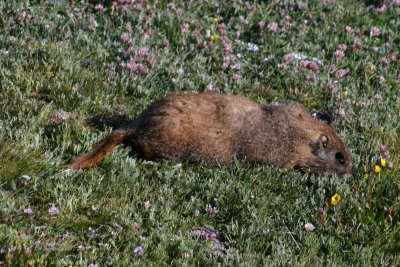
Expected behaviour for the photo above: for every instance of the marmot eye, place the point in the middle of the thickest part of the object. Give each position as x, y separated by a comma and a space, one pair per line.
340, 158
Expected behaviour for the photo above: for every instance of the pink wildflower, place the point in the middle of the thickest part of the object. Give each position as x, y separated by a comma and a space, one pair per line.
393, 56
342, 47
143, 52
222, 28
357, 46
166, 43
332, 69
126, 38
387, 46
136, 226
126, 53
99, 8
288, 58
141, 68
382, 149
359, 32
282, 66
342, 73
114, 6
199, 43
306, 64
53, 210
382, 9
384, 61
341, 113
348, 30
338, 54
137, 7
196, 32
303, 6
377, 97
389, 163
375, 32
185, 28
92, 25
211, 211
227, 61
227, 48
149, 33
210, 87
261, 24
273, 27
236, 77
236, 67
332, 88
22, 17
111, 66
146, 205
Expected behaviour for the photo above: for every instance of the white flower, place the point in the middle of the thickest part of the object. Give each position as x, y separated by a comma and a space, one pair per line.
252, 47
309, 227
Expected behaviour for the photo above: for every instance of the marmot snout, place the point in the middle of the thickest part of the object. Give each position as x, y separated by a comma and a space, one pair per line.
212, 128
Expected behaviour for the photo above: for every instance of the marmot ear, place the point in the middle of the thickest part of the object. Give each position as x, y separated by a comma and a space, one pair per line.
324, 140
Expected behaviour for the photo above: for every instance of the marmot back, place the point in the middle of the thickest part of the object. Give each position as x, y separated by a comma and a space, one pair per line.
212, 128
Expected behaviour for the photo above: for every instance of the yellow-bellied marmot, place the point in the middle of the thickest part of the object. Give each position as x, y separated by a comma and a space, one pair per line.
212, 128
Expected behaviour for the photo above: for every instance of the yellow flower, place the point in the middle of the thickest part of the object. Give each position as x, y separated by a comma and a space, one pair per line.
345, 93
365, 176
215, 20
335, 199
214, 37
377, 169
383, 162
372, 68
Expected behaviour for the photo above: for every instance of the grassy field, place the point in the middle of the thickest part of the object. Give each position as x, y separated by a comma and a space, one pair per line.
71, 71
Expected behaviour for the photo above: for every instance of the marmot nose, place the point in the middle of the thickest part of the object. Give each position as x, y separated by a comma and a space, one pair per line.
349, 171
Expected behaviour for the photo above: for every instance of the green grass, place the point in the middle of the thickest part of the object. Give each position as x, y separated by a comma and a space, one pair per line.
54, 61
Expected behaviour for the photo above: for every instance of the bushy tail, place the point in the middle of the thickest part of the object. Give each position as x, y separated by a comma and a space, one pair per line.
97, 153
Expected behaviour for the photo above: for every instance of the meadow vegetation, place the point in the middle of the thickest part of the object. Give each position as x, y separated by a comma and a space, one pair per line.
71, 71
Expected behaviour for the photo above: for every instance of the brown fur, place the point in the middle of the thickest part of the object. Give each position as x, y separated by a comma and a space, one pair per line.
211, 128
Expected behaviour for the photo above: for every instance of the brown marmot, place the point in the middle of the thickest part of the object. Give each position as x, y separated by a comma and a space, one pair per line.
213, 128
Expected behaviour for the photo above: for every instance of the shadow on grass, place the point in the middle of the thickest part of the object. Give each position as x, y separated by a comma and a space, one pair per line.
112, 120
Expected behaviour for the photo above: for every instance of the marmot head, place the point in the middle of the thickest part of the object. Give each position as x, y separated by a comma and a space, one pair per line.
327, 153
